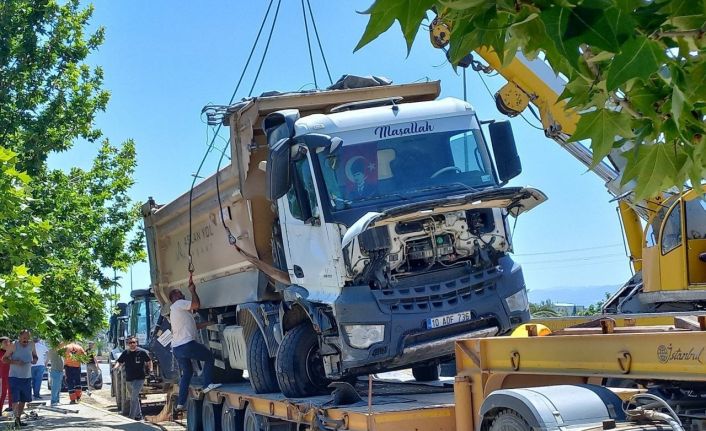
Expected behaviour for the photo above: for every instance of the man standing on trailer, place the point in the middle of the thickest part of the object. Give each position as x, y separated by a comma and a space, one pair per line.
184, 343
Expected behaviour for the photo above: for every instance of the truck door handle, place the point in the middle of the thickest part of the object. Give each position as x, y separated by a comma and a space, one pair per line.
298, 272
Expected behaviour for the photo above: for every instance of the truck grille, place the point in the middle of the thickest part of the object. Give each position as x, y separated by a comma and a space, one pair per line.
415, 298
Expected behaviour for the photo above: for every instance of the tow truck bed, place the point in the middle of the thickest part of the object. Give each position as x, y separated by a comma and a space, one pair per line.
394, 406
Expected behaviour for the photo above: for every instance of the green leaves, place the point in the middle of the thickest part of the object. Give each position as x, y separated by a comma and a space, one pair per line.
638, 58
602, 127
383, 14
59, 232
635, 70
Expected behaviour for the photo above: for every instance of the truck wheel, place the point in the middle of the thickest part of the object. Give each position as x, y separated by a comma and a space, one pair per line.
426, 373
193, 414
300, 367
231, 419
261, 367
252, 421
508, 420
211, 416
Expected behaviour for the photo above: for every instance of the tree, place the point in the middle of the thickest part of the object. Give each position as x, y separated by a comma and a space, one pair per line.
543, 309
61, 229
635, 70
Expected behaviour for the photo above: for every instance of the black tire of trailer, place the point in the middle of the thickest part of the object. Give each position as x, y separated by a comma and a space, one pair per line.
426, 373
261, 367
193, 414
231, 419
211, 416
252, 421
300, 370
509, 420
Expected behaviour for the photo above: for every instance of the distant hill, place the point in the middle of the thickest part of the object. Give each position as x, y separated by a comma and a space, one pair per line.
579, 295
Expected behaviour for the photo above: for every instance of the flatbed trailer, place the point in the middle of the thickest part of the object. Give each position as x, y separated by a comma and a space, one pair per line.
571, 379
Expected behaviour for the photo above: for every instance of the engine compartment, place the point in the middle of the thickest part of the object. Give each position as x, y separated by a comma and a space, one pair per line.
396, 250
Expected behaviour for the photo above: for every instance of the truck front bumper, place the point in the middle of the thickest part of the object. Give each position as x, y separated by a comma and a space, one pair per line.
405, 309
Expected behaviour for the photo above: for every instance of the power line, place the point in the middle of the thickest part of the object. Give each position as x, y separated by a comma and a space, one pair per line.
575, 259
569, 250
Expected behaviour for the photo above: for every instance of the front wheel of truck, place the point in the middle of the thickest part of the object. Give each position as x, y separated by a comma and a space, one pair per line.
426, 373
299, 365
261, 367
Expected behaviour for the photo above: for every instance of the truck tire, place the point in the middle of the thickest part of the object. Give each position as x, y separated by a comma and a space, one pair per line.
426, 373
231, 419
300, 368
211, 416
509, 420
193, 414
261, 367
252, 421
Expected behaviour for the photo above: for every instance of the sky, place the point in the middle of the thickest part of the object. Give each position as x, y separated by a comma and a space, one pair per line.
163, 61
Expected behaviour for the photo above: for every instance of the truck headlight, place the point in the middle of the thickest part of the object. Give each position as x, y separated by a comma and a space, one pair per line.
363, 336
517, 301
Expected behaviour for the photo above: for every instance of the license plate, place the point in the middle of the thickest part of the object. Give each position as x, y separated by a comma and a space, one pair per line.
449, 319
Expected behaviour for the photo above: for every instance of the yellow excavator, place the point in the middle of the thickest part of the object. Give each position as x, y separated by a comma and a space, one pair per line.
666, 234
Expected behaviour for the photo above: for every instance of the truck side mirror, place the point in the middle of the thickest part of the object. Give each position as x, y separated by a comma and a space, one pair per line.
278, 179
504, 149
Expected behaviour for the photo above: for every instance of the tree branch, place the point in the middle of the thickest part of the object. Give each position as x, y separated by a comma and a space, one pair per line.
623, 103
680, 33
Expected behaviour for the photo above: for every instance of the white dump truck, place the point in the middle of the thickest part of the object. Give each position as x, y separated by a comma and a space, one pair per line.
355, 231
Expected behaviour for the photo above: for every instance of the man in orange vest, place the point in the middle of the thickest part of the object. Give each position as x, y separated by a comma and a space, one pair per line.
73, 355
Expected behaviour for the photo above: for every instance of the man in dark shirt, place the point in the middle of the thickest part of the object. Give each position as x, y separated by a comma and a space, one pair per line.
135, 360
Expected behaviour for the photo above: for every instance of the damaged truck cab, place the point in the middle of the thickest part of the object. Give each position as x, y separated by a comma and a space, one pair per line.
386, 221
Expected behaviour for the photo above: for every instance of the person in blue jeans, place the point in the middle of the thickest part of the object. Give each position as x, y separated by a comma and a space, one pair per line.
56, 373
184, 344
39, 368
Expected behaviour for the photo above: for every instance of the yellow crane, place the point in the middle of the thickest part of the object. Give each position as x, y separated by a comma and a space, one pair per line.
666, 234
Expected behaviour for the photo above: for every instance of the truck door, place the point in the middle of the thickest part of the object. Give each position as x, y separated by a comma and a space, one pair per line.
138, 320
696, 240
673, 250
307, 247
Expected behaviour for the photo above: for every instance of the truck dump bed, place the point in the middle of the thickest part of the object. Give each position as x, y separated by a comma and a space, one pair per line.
224, 276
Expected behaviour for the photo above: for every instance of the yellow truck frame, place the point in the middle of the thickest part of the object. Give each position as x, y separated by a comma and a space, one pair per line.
490, 371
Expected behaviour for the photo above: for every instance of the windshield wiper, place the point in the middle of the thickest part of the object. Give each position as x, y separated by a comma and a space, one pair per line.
372, 198
447, 186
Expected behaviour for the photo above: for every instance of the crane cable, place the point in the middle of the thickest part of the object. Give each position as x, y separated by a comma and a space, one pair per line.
190, 266
318, 41
265, 267
308, 44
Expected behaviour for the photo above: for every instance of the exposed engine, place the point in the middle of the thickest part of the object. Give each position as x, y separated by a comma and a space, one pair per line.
399, 249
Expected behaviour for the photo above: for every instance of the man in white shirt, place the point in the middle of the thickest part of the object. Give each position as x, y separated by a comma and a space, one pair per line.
184, 343
39, 368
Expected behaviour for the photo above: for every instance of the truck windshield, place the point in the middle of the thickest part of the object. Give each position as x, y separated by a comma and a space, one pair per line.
405, 167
